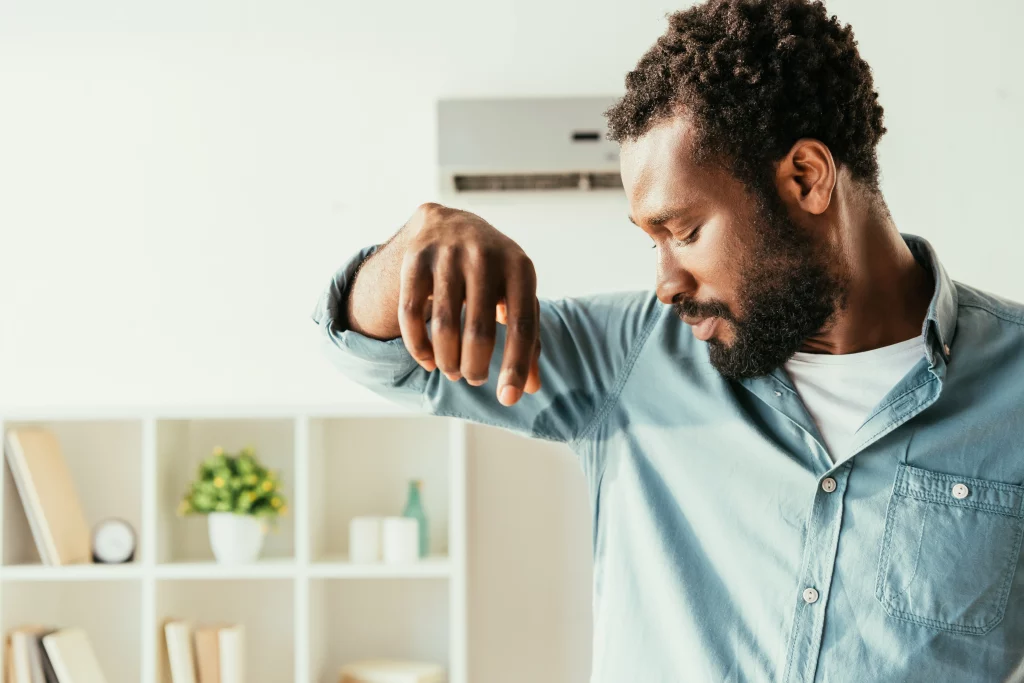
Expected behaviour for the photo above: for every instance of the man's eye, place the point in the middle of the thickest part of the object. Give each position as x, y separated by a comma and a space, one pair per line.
692, 237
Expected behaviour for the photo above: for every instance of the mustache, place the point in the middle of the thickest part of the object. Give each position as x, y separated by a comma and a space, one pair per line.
702, 309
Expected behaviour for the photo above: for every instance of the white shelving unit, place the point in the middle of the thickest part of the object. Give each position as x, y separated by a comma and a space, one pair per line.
306, 609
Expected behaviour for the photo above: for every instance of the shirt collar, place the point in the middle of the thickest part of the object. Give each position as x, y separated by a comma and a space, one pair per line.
940, 322
938, 329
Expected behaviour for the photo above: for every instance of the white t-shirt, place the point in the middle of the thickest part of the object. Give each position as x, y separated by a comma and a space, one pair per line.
840, 391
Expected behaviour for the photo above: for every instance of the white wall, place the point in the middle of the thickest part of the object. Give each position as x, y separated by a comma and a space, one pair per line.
179, 180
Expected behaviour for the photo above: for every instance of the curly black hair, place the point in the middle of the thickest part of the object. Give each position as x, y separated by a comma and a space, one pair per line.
755, 76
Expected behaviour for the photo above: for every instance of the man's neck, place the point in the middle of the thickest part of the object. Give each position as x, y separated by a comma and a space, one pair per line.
888, 291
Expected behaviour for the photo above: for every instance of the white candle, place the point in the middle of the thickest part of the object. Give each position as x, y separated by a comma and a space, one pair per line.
364, 539
401, 540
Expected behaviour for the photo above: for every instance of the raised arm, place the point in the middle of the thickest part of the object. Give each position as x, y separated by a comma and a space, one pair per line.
441, 261
444, 317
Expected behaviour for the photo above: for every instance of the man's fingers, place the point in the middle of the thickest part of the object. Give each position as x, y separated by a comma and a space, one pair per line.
533, 383
479, 331
533, 380
521, 332
416, 287
446, 314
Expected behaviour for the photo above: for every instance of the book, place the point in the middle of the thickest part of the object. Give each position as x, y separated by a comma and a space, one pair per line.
231, 640
26, 663
48, 494
180, 654
388, 671
72, 657
207, 646
19, 668
48, 673
220, 653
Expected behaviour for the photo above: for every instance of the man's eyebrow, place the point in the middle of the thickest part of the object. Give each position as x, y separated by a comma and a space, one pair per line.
663, 217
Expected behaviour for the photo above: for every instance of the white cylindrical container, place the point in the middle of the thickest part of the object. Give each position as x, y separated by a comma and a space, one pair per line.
401, 540
235, 539
364, 540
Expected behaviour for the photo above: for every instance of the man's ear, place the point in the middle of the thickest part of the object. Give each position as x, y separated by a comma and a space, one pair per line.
806, 176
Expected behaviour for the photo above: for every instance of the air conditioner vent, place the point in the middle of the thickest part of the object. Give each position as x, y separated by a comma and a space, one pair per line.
537, 181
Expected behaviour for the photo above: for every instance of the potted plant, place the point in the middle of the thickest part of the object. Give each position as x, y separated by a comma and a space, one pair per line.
240, 497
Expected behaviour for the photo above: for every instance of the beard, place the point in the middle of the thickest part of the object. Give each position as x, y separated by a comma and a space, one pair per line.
791, 292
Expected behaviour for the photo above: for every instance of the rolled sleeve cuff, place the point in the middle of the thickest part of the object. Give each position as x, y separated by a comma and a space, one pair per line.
331, 316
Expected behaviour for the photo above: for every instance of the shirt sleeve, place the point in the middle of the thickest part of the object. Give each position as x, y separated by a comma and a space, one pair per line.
588, 346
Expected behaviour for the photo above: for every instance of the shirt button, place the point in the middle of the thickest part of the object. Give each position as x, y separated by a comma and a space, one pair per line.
828, 484
960, 491
778, 393
810, 595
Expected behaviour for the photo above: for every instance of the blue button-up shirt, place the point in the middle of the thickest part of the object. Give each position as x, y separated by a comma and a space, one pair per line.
728, 547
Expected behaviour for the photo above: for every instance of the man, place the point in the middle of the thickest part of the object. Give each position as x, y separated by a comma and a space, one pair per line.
804, 453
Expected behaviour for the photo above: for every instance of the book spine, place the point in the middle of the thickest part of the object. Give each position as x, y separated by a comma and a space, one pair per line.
232, 655
21, 667
45, 543
179, 653
60, 669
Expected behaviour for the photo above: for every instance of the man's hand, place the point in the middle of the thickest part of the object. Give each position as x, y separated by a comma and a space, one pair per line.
448, 260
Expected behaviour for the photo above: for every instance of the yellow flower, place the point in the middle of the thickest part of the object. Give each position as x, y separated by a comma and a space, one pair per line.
218, 451
247, 450
251, 480
284, 509
275, 502
252, 495
218, 482
268, 486
271, 475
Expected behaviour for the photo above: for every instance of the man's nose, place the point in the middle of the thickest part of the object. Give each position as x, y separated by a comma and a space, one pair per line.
673, 280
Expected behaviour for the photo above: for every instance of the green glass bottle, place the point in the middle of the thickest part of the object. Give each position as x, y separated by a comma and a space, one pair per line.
414, 509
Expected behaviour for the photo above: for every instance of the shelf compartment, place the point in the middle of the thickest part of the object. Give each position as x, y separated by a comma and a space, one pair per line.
102, 457
109, 611
363, 467
376, 619
182, 445
265, 607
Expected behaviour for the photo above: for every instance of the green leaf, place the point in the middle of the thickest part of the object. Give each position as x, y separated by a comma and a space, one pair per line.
234, 482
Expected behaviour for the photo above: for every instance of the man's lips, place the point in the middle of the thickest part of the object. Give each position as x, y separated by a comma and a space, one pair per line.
703, 328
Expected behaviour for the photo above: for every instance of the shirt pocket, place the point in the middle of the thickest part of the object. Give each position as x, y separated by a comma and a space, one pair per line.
949, 550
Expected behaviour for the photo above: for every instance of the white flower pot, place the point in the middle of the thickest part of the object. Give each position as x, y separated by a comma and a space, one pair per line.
235, 539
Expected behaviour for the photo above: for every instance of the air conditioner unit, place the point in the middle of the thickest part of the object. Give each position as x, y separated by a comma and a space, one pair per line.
535, 144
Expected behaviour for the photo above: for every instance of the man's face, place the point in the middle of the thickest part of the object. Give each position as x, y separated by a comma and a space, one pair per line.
745, 275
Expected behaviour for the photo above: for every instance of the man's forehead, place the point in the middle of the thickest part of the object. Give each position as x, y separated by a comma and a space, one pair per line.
665, 144
657, 168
